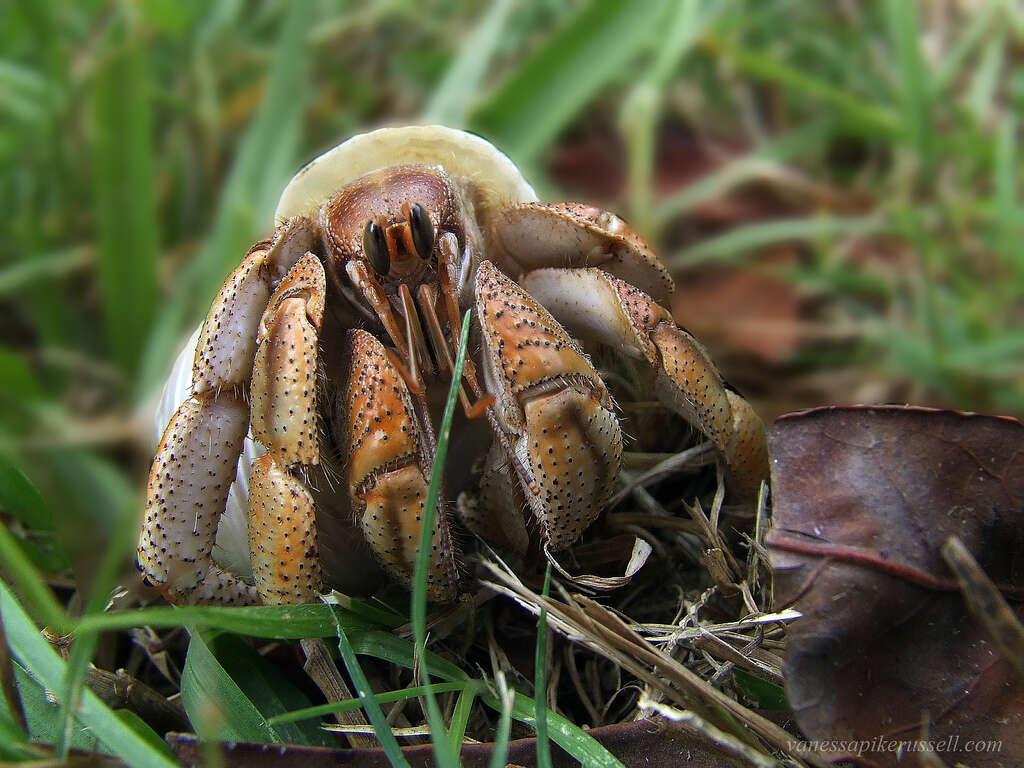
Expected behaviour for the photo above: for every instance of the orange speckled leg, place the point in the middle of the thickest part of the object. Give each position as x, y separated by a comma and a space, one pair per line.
282, 516
388, 469
552, 404
600, 307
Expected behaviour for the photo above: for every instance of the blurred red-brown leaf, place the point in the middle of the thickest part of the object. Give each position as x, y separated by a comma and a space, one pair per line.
748, 312
886, 650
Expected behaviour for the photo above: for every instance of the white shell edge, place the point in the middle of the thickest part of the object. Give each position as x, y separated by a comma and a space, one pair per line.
463, 155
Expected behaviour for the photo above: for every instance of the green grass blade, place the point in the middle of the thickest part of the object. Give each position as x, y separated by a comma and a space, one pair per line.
869, 117
460, 717
282, 622
540, 679
123, 195
83, 649
396, 650
22, 573
978, 28
35, 654
264, 162
764, 694
574, 740
16, 277
268, 689
308, 713
759, 162
454, 95
642, 107
566, 734
94, 490
557, 80
1009, 213
373, 711
14, 747
20, 499
443, 752
499, 755
732, 245
43, 716
25, 92
915, 90
982, 89
142, 728
215, 705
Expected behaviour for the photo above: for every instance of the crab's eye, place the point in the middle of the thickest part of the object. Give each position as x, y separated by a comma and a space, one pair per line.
375, 246
422, 231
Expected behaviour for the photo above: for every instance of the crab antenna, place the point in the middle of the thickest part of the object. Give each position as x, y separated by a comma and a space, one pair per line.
437, 340
416, 346
484, 403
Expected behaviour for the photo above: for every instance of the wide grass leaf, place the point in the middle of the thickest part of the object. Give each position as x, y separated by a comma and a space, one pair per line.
460, 85
216, 706
123, 194
269, 690
266, 158
551, 86
43, 716
282, 622
49, 670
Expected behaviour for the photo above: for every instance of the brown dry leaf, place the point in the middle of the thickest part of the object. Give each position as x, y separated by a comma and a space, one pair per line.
747, 311
864, 499
638, 744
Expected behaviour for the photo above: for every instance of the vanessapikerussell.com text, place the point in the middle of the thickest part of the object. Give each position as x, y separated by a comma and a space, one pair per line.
947, 744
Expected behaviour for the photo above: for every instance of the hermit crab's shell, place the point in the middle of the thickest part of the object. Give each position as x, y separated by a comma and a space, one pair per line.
494, 180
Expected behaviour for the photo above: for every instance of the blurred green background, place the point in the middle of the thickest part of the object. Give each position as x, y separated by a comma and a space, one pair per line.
837, 187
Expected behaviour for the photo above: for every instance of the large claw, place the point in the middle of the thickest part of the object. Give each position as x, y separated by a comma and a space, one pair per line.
553, 405
282, 515
388, 469
600, 307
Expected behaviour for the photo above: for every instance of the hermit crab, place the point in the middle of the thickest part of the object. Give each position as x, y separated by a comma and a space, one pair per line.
306, 404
